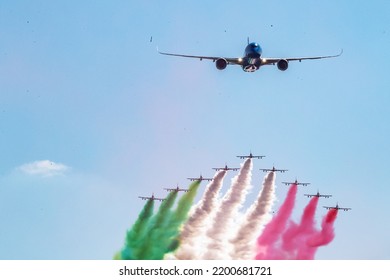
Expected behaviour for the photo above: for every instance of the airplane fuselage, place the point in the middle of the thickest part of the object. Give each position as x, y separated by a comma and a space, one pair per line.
252, 57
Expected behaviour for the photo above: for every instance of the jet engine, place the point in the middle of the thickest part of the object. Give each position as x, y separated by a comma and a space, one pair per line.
282, 64
221, 63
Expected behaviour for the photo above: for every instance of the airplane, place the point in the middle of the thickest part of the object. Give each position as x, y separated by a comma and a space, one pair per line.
177, 189
251, 156
201, 178
151, 198
296, 183
274, 170
252, 59
226, 168
337, 207
318, 195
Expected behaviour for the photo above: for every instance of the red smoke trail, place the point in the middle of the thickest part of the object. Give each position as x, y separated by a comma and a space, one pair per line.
267, 240
319, 238
294, 238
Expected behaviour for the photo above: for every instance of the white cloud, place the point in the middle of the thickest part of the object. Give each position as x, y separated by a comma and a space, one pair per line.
45, 168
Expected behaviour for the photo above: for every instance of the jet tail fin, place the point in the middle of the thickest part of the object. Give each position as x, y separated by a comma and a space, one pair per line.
247, 40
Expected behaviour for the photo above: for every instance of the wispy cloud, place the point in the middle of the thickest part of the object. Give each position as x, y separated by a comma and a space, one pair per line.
44, 168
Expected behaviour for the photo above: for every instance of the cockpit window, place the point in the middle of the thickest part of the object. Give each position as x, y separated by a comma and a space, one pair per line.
255, 46
253, 50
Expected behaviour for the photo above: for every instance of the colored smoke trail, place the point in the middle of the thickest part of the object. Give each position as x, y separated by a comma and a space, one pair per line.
266, 242
164, 227
209, 229
152, 246
195, 227
321, 238
136, 233
178, 217
232, 201
295, 237
257, 215
301, 241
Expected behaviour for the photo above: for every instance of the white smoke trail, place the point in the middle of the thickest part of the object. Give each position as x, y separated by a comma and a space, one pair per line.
195, 227
244, 243
219, 233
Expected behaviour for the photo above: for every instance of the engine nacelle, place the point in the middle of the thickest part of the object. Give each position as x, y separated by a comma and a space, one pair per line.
282, 65
221, 63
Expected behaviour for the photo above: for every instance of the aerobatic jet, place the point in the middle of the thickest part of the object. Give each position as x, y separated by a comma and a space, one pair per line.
251, 156
337, 207
200, 178
151, 198
318, 195
177, 189
296, 183
226, 168
252, 59
274, 170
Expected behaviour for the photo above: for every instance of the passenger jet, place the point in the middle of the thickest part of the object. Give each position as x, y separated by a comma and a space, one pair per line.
252, 59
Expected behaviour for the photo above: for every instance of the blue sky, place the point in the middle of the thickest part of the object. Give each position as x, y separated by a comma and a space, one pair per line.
91, 116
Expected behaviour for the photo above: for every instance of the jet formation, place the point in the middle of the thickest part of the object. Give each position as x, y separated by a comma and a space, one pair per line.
226, 168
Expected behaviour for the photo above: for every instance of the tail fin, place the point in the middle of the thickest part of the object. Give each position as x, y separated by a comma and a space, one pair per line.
248, 40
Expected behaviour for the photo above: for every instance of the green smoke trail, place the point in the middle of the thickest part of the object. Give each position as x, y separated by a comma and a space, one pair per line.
171, 234
136, 233
150, 245
163, 234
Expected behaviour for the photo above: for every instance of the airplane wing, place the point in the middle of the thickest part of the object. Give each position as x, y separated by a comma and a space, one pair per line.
259, 157
281, 170
176, 190
337, 208
309, 195
200, 179
265, 170
303, 184
268, 61
237, 61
